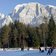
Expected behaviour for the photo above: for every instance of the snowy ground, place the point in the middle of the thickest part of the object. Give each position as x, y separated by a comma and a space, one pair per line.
26, 53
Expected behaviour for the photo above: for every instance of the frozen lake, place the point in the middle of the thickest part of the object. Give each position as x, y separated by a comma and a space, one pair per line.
26, 53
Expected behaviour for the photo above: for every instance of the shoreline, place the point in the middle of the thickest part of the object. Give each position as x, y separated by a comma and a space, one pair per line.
15, 49
19, 49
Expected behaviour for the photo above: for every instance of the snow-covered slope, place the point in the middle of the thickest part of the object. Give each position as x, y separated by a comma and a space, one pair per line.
5, 20
29, 13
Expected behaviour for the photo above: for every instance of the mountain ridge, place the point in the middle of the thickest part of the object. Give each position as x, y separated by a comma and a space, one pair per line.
29, 13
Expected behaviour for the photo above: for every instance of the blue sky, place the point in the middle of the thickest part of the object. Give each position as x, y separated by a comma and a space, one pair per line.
6, 6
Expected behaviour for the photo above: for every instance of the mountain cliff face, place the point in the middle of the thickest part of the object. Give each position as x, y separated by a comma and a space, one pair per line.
29, 13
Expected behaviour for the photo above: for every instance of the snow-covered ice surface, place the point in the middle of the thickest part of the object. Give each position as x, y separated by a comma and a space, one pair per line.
26, 53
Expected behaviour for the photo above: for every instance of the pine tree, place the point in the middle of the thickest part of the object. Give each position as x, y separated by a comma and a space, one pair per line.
21, 28
54, 37
5, 36
11, 37
51, 27
33, 40
15, 34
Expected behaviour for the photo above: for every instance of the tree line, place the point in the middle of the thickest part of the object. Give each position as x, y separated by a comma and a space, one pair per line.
19, 35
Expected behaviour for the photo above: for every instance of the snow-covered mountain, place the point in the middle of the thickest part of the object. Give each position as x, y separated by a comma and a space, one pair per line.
5, 20
29, 13
33, 13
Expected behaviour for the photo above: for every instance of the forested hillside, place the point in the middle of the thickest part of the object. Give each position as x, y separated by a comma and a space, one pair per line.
17, 35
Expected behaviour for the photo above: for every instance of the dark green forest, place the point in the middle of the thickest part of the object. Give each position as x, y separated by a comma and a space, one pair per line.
18, 35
